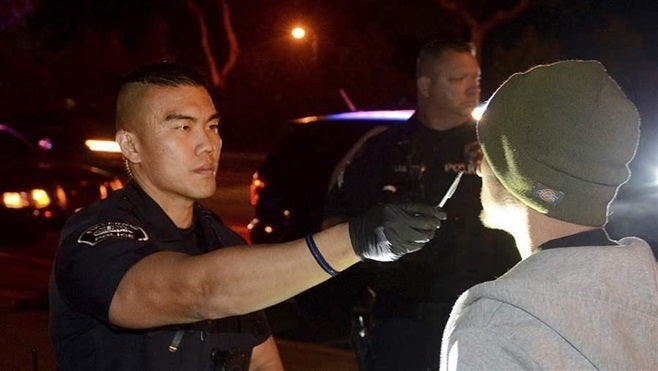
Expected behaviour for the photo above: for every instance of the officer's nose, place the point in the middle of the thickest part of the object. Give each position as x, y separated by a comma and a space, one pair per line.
210, 142
473, 87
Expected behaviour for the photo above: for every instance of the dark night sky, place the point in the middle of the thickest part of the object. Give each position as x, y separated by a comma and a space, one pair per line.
578, 25
279, 82
622, 34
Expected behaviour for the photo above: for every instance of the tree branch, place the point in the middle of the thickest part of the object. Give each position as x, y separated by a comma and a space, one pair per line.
231, 38
505, 15
216, 78
479, 29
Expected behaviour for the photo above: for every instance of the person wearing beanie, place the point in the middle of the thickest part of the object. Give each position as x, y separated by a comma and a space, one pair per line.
556, 142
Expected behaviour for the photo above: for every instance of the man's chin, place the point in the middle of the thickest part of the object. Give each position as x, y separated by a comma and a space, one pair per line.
484, 220
489, 221
205, 192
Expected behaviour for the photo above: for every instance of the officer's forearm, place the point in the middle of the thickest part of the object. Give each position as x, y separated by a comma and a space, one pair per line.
167, 288
262, 275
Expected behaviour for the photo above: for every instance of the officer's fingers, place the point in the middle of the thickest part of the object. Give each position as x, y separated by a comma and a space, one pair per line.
404, 235
440, 213
412, 208
421, 221
428, 233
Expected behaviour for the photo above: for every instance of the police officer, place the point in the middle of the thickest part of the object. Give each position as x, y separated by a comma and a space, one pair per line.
419, 161
149, 279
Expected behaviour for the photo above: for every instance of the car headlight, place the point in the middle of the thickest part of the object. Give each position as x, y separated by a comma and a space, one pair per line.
99, 145
36, 198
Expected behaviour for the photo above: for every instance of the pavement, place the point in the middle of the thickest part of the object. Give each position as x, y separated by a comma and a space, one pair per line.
25, 344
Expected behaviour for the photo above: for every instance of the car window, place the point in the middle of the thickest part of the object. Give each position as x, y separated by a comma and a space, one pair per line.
307, 156
347, 157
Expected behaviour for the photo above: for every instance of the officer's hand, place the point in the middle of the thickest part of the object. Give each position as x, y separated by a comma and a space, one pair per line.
388, 231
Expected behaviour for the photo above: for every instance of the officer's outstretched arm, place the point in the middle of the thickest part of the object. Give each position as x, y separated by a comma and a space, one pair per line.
172, 288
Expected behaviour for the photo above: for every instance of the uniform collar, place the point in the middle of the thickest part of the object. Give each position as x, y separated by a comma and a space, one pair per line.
155, 215
414, 123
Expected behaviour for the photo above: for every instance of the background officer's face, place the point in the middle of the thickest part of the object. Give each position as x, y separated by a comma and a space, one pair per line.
455, 84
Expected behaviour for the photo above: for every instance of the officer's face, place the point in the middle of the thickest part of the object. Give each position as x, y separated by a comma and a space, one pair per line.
454, 84
178, 143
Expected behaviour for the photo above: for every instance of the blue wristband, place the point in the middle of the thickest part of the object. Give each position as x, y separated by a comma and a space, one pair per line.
318, 257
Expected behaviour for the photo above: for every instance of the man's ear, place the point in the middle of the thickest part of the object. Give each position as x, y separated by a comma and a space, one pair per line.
423, 86
128, 143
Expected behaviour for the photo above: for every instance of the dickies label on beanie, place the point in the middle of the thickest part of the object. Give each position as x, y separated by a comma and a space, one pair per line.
547, 195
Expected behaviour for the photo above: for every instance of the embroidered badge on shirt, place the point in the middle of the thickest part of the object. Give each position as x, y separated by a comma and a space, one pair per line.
103, 231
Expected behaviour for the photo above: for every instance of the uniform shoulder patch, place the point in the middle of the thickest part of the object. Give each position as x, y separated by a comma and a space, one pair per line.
103, 231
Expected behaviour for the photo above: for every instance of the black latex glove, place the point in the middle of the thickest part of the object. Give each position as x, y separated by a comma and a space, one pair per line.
388, 231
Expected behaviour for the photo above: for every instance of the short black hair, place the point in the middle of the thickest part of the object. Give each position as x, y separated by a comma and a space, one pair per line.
165, 73
432, 50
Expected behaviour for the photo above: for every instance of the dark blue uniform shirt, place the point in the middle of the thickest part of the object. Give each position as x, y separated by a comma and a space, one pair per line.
97, 247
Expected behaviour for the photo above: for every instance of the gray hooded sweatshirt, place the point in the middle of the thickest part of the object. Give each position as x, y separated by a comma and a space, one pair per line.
592, 307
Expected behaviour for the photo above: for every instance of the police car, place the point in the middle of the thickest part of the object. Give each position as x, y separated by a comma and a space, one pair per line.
289, 188
37, 192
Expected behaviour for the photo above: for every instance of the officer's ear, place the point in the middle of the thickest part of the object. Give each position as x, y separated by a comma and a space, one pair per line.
128, 143
423, 86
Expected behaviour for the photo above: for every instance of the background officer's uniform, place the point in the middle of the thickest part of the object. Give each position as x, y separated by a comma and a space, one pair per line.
414, 295
98, 245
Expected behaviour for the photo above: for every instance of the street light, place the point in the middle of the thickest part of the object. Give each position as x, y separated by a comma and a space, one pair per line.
298, 33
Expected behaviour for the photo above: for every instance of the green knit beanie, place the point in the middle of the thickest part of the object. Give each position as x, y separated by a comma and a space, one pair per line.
559, 137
